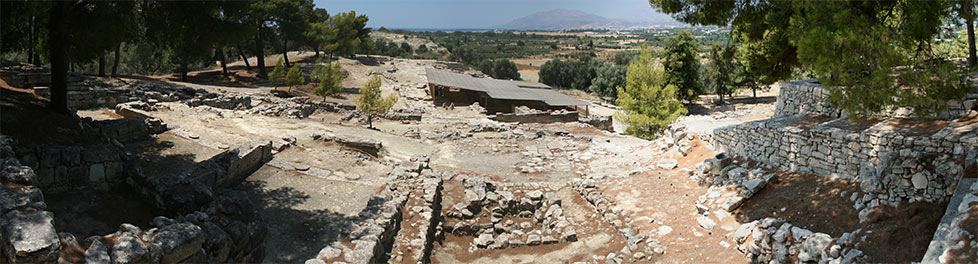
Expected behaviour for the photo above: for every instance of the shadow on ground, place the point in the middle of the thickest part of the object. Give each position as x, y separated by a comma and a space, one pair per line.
295, 235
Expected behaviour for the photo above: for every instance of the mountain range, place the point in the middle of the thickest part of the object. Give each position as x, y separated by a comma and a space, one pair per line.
563, 19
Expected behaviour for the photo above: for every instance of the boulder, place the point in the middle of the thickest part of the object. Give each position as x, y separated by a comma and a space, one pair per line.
97, 253
667, 164
30, 237
129, 248
178, 241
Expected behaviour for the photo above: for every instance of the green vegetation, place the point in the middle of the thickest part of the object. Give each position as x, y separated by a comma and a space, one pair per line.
278, 74
719, 73
371, 102
682, 65
330, 79
153, 37
872, 56
500, 69
294, 77
647, 103
572, 74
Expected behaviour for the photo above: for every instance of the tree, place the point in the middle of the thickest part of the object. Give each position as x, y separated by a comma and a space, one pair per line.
647, 103
720, 71
185, 29
294, 77
965, 9
346, 32
407, 48
330, 80
682, 65
278, 74
500, 69
422, 49
574, 74
372, 102
871, 56
608, 79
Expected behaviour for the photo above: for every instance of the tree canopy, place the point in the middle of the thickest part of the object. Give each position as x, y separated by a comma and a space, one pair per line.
872, 56
682, 65
647, 103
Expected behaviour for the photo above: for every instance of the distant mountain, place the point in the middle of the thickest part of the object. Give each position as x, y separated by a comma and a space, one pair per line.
563, 19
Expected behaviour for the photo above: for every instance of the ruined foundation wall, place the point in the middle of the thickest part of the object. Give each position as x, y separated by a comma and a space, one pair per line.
543, 117
63, 167
884, 161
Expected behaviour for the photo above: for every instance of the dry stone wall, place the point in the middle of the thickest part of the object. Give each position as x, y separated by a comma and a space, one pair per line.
804, 97
64, 167
886, 162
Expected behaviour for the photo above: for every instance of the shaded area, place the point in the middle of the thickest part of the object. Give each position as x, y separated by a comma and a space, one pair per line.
902, 234
27, 118
85, 212
805, 200
300, 223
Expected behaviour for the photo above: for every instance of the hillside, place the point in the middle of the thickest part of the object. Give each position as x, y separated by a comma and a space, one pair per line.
564, 19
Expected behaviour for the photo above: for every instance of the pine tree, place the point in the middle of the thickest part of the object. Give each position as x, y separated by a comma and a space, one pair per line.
278, 74
330, 80
372, 102
294, 77
647, 103
682, 65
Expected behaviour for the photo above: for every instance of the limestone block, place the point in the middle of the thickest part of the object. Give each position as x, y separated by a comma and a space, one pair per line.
30, 237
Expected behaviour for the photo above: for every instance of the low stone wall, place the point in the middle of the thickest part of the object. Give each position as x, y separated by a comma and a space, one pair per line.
97, 97
122, 130
600, 122
954, 239
541, 117
65, 167
374, 237
185, 192
419, 228
887, 163
640, 246
804, 97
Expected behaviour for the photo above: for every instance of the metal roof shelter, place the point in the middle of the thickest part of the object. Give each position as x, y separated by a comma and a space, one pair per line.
502, 89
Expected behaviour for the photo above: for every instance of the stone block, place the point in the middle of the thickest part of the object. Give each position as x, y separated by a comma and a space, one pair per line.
130, 249
178, 242
30, 237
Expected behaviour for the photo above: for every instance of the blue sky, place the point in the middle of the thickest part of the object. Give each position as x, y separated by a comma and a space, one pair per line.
478, 13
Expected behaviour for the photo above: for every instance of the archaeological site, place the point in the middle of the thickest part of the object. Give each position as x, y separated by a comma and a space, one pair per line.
273, 131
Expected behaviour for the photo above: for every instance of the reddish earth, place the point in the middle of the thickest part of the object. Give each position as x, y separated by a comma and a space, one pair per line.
902, 234
805, 200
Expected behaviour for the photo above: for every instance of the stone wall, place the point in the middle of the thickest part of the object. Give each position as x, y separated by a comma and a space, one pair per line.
122, 130
886, 162
804, 97
185, 192
772, 240
97, 97
373, 238
64, 167
538, 117
27, 233
954, 239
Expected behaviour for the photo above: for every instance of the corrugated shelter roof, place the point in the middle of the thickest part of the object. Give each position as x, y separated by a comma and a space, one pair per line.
502, 89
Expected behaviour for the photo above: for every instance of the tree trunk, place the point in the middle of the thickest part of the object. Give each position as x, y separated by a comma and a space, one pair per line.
970, 20
285, 52
115, 63
58, 56
101, 65
753, 87
244, 58
317, 51
224, 64
183, 70
30, 46
260, 54
721, 97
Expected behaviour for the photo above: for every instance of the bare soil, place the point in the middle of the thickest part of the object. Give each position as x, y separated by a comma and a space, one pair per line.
27, 118
902, 234
805, 200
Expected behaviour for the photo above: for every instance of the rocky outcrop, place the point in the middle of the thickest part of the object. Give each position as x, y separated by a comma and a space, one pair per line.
368, 145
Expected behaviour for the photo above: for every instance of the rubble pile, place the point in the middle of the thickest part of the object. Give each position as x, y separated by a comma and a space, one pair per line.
508, 216
773, 240
730, 183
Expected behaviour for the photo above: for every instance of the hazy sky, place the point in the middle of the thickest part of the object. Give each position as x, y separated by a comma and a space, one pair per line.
479, 13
